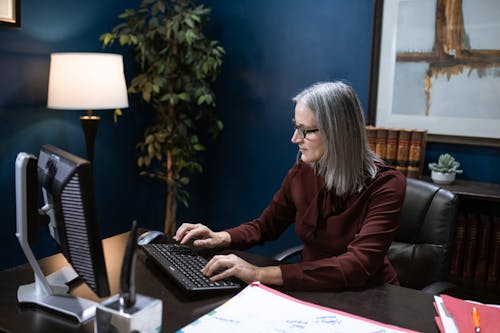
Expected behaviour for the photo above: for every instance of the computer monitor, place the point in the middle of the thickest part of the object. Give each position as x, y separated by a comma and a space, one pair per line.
67, 185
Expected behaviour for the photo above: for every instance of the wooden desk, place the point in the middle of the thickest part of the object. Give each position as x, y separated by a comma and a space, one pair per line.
389, 304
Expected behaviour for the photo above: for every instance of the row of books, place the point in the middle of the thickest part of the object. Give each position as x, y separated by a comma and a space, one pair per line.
476, 249
402, 148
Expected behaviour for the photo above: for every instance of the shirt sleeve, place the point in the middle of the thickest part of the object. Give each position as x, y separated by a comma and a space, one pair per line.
273, 221
367, 251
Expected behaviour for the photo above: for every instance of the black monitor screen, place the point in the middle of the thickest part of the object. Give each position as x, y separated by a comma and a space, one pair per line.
67, 185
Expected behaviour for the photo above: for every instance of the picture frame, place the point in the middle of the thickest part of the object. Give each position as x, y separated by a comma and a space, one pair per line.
428, 73
10, 13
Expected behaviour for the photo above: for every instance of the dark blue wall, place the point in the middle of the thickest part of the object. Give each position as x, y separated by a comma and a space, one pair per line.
26, 123
478, 163
274, 49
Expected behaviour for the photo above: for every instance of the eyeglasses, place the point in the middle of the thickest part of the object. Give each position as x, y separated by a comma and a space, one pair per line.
302, 131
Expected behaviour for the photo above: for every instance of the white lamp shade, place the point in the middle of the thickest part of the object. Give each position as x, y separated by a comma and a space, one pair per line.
86, 81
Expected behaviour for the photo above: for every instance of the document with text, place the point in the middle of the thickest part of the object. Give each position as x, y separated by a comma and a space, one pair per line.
259, 308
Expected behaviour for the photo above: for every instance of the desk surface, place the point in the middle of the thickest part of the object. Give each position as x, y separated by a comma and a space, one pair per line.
389, 304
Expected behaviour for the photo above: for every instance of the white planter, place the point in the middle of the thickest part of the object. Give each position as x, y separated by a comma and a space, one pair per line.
442, 178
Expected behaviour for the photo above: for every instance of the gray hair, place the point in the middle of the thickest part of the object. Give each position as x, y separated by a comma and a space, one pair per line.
347, 160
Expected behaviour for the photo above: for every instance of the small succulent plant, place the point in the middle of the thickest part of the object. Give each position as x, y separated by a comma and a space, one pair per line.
446, 164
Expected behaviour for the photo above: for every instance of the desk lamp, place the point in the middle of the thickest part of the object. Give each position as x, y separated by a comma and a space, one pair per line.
87, 81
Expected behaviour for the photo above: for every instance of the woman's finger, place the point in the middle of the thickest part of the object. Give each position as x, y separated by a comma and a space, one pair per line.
182, 230
194, 231
220, 263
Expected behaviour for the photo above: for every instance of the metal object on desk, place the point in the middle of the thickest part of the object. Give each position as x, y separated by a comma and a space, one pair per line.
143, 316
128, 311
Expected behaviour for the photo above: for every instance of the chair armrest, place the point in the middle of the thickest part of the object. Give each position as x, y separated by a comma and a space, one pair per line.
288, 253
438, 287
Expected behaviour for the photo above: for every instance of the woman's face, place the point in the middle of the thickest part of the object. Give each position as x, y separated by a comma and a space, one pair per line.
310, 146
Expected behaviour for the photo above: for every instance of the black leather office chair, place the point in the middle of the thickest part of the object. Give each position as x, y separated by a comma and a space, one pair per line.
421, 249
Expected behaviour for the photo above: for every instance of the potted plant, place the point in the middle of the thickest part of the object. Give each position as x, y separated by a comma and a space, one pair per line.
176, 65
444, 171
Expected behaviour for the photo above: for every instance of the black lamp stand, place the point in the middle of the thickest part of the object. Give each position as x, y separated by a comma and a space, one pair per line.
89, 125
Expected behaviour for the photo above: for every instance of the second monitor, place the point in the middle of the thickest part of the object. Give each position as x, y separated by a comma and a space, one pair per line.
66, 181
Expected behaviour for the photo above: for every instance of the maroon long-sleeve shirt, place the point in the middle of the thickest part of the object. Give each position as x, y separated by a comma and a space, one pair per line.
345, 238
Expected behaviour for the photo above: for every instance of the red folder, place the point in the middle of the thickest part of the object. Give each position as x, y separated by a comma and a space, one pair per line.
461, 312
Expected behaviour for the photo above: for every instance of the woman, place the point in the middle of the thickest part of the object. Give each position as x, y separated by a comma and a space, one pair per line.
344, 201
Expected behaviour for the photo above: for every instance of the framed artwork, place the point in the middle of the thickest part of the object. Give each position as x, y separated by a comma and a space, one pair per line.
436, 66
10, 13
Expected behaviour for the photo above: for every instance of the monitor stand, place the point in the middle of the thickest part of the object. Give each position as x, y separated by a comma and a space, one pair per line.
57, 298
47, 291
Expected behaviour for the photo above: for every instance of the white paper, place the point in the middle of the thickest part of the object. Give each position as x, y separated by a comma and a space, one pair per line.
449, 325
260, 309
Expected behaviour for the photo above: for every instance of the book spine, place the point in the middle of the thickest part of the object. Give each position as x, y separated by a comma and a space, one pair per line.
391, 152
483, 247
415, 154
494, 260
403, 151
470, 245
381, 146
371, 136
457, 253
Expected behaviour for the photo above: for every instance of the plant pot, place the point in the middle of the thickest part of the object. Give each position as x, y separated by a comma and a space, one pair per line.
442, 178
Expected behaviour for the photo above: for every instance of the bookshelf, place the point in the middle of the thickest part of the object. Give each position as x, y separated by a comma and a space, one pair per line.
474, 264
473, 190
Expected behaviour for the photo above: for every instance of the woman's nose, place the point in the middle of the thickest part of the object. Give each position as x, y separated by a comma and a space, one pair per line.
295, 137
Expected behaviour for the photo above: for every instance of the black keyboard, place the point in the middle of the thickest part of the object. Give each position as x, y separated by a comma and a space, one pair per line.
183, 266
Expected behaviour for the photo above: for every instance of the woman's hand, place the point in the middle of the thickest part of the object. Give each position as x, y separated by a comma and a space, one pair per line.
202, 236
224, 266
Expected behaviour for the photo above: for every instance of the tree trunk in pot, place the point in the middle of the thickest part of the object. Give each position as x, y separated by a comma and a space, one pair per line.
171, 204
